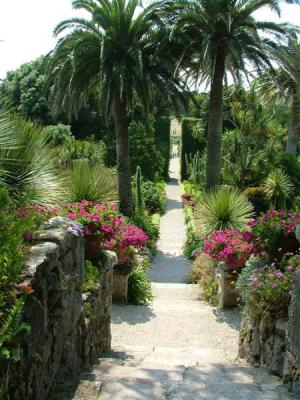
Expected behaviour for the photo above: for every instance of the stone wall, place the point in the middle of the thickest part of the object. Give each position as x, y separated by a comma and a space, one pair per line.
68, 328
275, 343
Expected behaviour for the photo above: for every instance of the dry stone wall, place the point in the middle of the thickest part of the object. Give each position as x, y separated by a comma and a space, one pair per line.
68, 328
274, 342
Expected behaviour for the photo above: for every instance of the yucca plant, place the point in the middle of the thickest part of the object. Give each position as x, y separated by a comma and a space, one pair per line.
92, 182
278, 187
27, 164
224, 208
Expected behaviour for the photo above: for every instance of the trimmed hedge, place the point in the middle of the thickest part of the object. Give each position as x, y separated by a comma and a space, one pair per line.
189, 144
163, 141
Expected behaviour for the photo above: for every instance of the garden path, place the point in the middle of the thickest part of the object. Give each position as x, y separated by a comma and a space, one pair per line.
178, 347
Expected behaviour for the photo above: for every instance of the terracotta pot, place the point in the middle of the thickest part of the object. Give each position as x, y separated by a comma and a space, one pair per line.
123, 254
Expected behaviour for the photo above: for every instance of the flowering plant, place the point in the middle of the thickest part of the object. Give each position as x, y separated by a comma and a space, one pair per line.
275, 232
104, 228
269, 287
229, 246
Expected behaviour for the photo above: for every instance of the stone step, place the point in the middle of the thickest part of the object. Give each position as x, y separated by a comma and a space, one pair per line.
128, 388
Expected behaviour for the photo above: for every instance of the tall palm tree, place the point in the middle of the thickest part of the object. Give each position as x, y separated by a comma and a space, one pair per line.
121, 52
284, 84
223, 36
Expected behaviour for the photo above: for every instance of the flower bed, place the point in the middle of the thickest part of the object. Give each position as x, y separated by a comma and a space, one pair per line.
229, 246
105, 229
275, 233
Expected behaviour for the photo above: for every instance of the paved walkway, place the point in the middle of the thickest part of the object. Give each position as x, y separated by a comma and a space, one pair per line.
178, 347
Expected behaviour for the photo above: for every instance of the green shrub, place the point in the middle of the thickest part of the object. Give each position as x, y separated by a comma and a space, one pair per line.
203, 273
163, 142
192, 140
144, 221
89, 150
193, 240
90, 182
58, 134
144, 151
257, 197
139, 285
225, 208
153, 197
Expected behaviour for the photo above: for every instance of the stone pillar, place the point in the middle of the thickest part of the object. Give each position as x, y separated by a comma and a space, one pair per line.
227, 292
120, 281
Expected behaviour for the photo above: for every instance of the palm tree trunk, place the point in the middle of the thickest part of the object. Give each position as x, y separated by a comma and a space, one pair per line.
123, 156
294, 127
214, 151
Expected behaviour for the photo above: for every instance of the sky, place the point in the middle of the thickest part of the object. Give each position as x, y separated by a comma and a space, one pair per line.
26, 27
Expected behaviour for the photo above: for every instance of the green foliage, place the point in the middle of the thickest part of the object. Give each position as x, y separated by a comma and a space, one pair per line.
278, 186
193, 168
89, 150
138, 187
24, 91
144, 221
192, 141
223, 209
91, 278
163, 142
28, 167
257, 197
12, 333
143, 150
139, 285
91, 182
153, 196
58, 134
193, 240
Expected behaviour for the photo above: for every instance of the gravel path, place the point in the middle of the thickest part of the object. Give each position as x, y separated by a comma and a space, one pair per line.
178, 347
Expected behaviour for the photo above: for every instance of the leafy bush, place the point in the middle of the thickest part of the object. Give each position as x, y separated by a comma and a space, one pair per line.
257, 197
143, 150
270, 287
193, 240
144, 221
275, 232
193, 140
203, 273
163, 144
89, 150
225, 208
90, 182
139, 285
278, 186
153, 197
58, 134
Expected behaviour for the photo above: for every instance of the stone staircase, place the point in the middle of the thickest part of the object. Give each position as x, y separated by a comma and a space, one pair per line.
180, 348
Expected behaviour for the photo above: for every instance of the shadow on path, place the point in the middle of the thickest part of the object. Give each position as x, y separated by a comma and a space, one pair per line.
131, 315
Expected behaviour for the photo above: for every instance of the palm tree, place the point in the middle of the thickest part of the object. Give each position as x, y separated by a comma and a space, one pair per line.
120, 52
223, 36
284, 84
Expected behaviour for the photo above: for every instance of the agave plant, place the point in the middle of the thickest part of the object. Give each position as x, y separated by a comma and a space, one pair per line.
278, 187
92, 182
223, 208
27, 164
